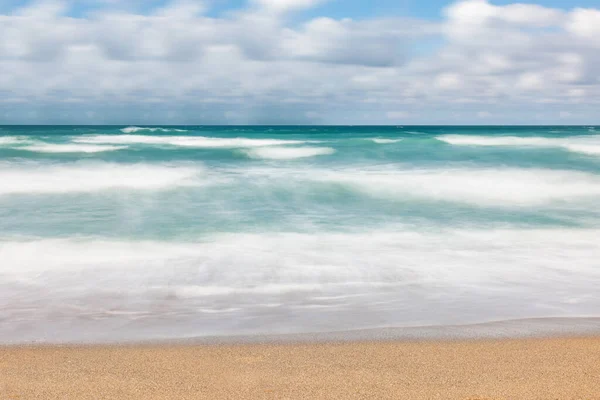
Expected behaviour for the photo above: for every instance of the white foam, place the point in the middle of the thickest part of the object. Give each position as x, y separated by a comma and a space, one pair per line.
498, 140
70, 148
288, 153
501, 188
578, 144
385, 141
271, 263
591, 149
504, 187
12, 140
133, 129
185, 141
77, 178
403, 278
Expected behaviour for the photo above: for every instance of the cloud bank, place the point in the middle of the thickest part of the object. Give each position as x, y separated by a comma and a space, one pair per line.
262, 63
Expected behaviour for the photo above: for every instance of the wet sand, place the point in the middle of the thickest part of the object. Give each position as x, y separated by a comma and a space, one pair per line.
526, 368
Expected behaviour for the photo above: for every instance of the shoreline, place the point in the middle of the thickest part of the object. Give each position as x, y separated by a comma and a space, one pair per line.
540, 328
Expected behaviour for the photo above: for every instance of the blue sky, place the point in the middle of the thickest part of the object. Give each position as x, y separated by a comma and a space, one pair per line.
299, 61
431, 9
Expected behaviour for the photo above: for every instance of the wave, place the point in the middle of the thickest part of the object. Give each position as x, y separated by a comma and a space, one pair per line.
500, 188
255, 260
185, 141
591, 149
80, 178
580, 144
397, 278
508, 187
13, 140
70, 148
384, 141
133, 129
288, 153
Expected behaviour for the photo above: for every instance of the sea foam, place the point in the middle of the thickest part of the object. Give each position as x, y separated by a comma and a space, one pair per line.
502, 187
185, 141
159, 278
288, 153
13, 140
578, 144
253, 260
77, 178
70, 148
133, 129
384, 141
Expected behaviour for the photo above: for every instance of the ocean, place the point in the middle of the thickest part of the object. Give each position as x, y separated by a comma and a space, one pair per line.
113, 233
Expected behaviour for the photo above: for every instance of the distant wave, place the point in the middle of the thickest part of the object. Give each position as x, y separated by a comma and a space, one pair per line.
185, 141
384, 141
288, 153
13, 140
499, 140
70, 148
79, 178
133, 129
579, 144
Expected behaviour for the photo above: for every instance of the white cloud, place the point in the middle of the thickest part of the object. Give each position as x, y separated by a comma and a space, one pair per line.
287, 5
584, 23
447, 80
565, 114
397, 115
258, 65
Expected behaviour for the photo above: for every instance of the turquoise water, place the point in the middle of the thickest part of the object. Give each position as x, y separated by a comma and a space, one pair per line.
128, 233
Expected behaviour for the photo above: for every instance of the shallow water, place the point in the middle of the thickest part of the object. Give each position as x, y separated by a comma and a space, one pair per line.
134, 233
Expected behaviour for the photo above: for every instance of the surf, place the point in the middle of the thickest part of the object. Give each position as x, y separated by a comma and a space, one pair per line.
92, 177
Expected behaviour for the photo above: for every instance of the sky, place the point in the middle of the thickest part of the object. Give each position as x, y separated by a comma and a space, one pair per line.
387, 62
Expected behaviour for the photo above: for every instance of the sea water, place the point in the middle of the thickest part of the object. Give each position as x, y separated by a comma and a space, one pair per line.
140, 233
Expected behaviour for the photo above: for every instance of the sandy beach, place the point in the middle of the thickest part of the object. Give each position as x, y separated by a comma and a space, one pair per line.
551, 368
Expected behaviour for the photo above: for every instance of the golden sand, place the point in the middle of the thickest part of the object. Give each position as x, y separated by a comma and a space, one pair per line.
487, 369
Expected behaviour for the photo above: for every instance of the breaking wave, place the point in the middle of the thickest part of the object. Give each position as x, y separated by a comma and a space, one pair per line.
288, 153
13, 140
483, 187
292, 282
78, 178
578, 144
185, 141
70, 148
385, 141
133, 129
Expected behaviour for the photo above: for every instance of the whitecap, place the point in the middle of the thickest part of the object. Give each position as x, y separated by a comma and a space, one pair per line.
384, 141
288, 153
81, 178
591, 149
133, 129
70, 148
185, 141
468, 140
502, 187
578, 144
499, 188
277, 263
13, 140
